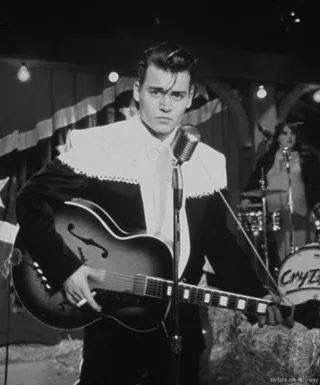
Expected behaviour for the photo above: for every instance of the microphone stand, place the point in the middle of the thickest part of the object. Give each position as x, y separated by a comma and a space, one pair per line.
290, 204
264, 215
183, 145
176, 339
316, 216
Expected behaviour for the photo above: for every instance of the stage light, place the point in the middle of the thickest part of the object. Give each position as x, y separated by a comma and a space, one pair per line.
316, 96
23, 73
113, 77
297, 20
261, 93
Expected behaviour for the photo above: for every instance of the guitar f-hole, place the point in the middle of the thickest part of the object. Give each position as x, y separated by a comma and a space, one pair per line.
87, 241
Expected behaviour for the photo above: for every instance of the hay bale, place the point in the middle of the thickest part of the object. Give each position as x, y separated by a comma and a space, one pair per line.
244, 354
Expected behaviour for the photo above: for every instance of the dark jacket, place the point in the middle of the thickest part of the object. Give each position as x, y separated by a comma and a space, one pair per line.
102, 167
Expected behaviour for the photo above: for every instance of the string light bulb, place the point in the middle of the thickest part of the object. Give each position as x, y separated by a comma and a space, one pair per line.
113, 77
23, 73
261, 93
316, 96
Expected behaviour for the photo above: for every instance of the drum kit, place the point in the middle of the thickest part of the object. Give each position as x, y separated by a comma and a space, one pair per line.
299, 274
257, 221
254, 217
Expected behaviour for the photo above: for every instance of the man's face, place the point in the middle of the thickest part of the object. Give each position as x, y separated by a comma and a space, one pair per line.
163, 98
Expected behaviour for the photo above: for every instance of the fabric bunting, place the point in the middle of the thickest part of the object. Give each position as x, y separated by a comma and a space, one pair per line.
8, 224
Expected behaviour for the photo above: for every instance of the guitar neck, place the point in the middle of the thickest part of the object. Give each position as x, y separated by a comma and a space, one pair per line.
192, 294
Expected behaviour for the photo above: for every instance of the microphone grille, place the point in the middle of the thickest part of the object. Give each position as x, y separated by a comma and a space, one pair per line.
186, 140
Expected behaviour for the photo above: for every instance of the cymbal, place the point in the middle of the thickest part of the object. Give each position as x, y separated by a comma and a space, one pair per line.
260, 193
250, 206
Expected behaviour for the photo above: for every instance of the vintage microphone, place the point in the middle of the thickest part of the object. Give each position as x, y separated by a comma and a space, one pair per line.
286, 155
183, 145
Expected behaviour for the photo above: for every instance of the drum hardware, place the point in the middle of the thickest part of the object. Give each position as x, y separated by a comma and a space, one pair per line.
275, 221
268, 280
254, 206
252, 220
255, 218
316, 218
260, 193
264, 216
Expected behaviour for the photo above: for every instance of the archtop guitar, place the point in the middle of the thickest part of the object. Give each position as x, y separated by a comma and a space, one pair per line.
136, 289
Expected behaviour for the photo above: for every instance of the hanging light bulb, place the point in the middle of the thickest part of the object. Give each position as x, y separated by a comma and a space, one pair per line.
113, 77
23, 73
316, 96
261, 93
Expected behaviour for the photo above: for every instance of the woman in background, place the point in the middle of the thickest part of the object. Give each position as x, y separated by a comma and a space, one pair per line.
289, 161
304, 173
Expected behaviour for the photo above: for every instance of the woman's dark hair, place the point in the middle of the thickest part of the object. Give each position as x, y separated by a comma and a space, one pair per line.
299, 146
169, 57
294, 127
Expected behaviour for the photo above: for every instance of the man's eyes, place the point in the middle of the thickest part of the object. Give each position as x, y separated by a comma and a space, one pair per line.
173, 95
156, 92
177, 96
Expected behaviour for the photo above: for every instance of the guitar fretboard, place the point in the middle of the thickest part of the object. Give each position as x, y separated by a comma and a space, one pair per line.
191, 294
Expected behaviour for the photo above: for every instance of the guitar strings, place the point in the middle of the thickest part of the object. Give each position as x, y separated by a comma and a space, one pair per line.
196, 294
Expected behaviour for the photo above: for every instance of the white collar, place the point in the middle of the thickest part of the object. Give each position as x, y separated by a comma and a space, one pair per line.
112, 152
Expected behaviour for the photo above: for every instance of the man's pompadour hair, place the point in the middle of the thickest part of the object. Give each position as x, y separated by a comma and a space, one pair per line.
169, 57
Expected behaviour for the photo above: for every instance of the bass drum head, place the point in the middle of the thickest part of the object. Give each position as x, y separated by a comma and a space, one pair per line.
299, 275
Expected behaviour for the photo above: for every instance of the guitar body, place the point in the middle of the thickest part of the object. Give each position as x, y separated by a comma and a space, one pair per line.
99, 243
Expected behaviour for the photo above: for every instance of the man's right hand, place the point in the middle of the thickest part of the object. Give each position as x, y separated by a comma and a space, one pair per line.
274, 316
77, 288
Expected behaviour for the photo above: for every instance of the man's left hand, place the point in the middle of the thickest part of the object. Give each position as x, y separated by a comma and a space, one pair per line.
274, 315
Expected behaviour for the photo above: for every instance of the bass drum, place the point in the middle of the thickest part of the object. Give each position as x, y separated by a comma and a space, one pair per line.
299, 283
299, 275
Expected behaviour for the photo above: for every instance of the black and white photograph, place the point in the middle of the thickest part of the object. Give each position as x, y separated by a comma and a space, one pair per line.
160, 193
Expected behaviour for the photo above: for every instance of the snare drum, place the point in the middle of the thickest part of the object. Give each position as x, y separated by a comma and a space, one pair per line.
299, 275
252, 221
